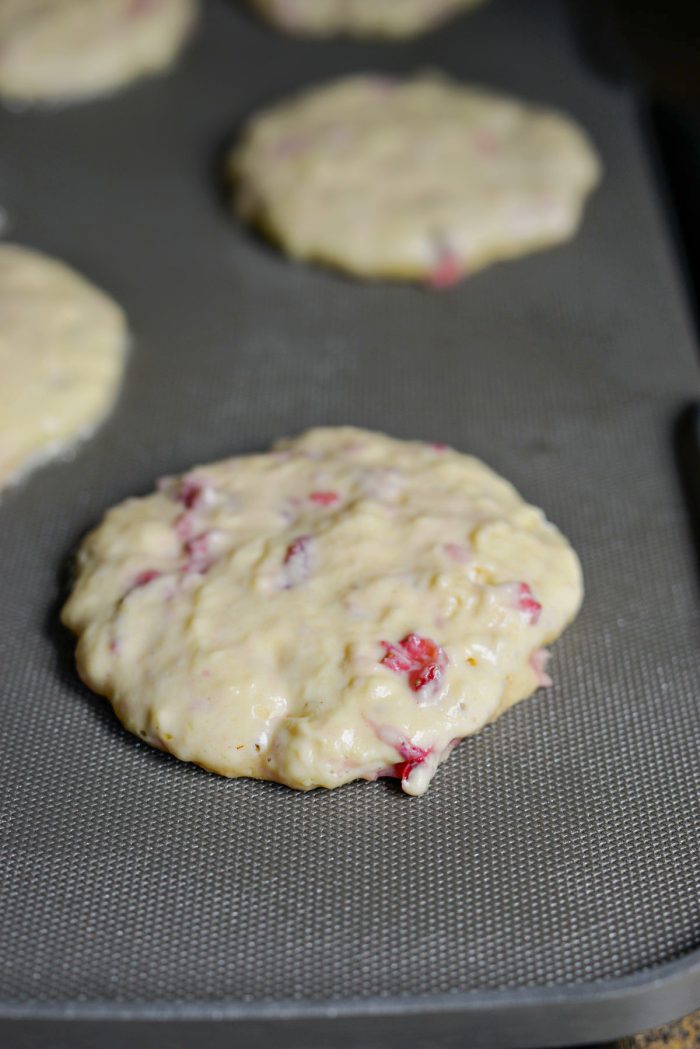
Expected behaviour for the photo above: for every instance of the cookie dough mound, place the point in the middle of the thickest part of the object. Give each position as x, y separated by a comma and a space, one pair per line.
421, 178
345, 606
66, 50
62, 350
392, 18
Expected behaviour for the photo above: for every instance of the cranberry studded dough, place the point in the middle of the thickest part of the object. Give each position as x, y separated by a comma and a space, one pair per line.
391, 18
346, 606
66, 50
62, 352
421, 179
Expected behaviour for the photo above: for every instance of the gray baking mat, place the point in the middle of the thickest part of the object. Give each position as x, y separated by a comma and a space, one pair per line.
558, 847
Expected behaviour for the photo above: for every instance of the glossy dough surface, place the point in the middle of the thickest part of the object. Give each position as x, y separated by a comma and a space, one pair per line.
62, 351
65, 50
345, 606
359, 17
422, 178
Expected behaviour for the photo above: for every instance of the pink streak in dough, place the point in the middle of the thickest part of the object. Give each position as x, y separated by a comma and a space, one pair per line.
200, 556
538, 662
297, 562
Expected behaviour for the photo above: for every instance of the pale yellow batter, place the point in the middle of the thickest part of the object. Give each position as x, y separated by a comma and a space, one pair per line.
62, 350
346, 606
392, 18
422, 178
66, 50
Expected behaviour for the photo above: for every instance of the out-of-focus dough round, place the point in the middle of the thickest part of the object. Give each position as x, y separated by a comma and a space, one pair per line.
62, 350
422, 178
390, 18
345, 606
67, 50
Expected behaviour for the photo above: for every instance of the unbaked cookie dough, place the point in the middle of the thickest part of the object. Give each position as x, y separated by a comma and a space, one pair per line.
392, 18
62, 350
422, 178
66, 50
346, 606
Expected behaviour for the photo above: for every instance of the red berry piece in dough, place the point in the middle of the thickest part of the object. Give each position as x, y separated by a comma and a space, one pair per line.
527, 603
191, 492
447, 271
422, 660
412, 756
143, 578
324, 498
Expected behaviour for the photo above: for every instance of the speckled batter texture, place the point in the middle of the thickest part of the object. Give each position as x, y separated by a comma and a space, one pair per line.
389, 18
67, 50
345, 606
422, 178
62, 351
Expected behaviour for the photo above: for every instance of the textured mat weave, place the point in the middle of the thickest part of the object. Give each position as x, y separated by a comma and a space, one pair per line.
560, 846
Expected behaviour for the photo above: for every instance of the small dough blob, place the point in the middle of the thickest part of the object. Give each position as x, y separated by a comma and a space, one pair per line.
344, 607
422, 178
67, 50
391, 18
62, 351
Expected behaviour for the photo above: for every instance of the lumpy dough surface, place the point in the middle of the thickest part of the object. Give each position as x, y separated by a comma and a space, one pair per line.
66, 50
360, 17
421, 178
345, 606
62, 351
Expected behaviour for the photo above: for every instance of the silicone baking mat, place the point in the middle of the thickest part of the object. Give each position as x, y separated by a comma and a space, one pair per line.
545, 890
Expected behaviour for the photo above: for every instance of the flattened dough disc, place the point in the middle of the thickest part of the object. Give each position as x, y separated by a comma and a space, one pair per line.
423, 178
390, 18
62, 350
345, 606
67, 50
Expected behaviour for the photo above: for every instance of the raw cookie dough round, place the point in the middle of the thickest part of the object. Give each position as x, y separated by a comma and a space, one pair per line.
66, 50
422, 178
62, 350
345, 606
397, 18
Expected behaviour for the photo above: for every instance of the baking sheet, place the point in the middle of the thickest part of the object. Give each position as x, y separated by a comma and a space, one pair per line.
555, 859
